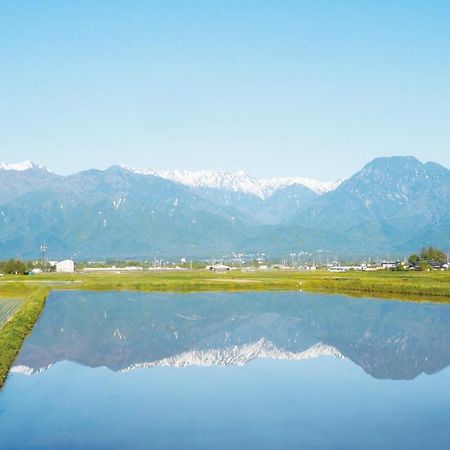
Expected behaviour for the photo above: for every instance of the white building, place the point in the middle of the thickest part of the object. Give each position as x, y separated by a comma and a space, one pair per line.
345, 268
390, 264
67, 266
219, 268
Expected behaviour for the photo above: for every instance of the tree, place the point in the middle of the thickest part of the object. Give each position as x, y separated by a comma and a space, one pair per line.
428, 255
14, 266
424, 266
413, 259
433, 254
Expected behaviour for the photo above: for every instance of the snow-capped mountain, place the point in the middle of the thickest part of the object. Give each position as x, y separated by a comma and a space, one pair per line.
22, 166
319, 187
28, 371
237, 181
239, 355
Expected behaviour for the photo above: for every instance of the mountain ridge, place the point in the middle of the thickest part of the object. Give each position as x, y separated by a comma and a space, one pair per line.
22, 166
395, 204
238, 181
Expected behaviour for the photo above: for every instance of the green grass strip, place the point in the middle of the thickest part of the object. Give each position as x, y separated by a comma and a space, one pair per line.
17, 328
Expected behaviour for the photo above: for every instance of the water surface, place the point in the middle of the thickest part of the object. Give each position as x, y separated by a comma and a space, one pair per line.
230, 370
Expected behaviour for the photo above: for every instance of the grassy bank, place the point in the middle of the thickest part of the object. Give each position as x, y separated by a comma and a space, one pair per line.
418, 286
15, 330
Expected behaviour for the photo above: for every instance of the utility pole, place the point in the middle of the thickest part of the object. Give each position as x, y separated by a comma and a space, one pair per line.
44, 253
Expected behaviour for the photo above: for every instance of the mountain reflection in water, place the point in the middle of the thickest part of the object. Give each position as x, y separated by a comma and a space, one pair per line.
124, 331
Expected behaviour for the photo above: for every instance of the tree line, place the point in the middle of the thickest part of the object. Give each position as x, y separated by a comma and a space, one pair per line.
427, 258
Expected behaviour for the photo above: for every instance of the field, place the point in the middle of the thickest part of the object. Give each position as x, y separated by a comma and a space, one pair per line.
427, 286
417, 286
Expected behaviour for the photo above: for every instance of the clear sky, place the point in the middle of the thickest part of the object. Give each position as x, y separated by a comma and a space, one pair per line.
309, 88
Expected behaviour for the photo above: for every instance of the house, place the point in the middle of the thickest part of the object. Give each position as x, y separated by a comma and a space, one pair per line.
219, 268
66, 266
437, 265
338, 269
390, 264
372, 268
307, 268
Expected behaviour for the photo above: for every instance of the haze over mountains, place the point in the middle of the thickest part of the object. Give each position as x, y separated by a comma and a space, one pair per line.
393, 205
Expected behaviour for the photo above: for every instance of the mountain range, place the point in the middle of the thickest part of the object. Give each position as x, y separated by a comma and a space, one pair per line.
392, 205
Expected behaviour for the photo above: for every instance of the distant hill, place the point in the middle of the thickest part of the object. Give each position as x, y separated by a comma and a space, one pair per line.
393, 204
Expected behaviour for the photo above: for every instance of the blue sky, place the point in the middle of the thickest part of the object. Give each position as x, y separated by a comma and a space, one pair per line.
309, 88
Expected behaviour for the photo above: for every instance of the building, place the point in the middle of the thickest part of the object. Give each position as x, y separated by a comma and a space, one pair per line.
338, 268
372, 268
307, 268
219, 268
389, 264
67, 266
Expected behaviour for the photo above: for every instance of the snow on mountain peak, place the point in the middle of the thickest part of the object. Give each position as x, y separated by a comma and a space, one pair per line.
22, 166
319, 187
238, 355
236, 181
